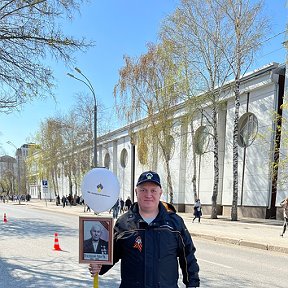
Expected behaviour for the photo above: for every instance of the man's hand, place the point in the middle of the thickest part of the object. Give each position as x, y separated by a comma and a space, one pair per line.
94, 269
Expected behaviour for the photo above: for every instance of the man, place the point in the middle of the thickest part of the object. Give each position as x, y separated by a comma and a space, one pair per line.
149, 239
63, 201
128, 203
95, 244
197, 210
284, 204
115, 209
58, 200
121, 206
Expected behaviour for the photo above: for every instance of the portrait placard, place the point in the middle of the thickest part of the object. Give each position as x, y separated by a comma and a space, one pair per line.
96, 240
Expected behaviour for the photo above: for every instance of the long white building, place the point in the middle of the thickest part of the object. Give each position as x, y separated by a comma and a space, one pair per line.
261, 97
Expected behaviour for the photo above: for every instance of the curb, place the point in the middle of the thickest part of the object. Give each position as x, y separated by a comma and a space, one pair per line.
241, 242
277, 249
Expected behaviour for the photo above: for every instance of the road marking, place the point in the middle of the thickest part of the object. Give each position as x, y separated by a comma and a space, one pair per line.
214, 263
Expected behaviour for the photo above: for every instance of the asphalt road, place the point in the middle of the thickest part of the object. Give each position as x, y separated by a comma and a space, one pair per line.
226, 265
27, 258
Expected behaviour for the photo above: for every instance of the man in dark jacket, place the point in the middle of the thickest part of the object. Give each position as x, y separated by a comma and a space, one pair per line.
95, 245
149, 239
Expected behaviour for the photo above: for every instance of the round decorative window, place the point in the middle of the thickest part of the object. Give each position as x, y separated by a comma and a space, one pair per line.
247, 129
107, 161
124, 158
202, 140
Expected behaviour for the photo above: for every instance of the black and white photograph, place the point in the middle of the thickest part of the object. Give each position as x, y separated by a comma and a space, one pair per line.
95, 240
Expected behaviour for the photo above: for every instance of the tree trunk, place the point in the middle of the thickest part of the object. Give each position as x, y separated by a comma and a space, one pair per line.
234, 216
216, 166
169, 181
194, 173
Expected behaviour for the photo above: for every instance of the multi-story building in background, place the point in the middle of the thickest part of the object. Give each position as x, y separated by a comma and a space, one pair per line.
13, 172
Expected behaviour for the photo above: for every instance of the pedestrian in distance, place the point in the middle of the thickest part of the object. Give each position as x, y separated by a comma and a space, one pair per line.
58, 200
63, 201
115, 209
197, 210
150, 239
284, 205
81, 200
122, 206
128, 203
69, 200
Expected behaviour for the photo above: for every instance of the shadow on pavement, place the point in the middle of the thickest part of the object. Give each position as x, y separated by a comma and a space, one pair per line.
31, 227
35, 275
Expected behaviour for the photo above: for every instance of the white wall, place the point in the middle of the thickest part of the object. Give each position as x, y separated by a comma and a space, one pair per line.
256, 185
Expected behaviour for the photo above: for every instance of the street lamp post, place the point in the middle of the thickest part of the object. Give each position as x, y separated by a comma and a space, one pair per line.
18, 151
89, 85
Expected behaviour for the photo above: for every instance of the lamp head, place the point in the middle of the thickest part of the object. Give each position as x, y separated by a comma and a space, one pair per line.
78, 70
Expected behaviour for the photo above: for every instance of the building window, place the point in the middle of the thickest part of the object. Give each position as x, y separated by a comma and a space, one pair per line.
107, 161
202, 140
247, 129
124, 158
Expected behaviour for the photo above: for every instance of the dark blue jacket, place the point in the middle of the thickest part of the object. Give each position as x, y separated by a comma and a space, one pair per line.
149, 253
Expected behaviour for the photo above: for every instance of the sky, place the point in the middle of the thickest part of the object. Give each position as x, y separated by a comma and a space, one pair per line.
118, 28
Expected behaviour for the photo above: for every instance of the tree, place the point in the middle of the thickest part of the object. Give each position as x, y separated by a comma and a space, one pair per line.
196, 39
147, 88
50, 147
58, 141
85, 116
64, 144
30, 33
7, 182
71, 159
216, 52
245, 38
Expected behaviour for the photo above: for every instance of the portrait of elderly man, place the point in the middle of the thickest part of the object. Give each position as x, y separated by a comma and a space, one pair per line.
95, 245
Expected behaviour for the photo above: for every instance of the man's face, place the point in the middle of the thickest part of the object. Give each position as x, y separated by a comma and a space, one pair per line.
95, 233
148, 196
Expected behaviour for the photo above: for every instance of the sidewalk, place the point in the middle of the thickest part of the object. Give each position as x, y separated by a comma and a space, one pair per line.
250, 232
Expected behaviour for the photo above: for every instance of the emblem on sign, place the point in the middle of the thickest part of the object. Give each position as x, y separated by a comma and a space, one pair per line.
99, 187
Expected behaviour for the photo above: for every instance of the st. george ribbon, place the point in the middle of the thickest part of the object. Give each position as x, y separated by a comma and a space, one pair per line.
100, 190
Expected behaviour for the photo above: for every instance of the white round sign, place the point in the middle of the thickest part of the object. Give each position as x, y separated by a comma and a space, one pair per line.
100, 189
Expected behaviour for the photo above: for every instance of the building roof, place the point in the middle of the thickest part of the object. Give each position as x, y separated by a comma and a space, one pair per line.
7, 158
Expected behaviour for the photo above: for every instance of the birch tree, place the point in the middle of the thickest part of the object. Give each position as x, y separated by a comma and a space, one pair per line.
65, 142
221, 44
197, 37
247, 33
147, 89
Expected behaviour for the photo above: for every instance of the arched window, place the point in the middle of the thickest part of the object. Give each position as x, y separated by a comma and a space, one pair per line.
202, 140
124, 158
107, 161
247, 129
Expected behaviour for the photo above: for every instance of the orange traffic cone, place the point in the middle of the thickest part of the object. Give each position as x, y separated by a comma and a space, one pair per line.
5, 218
56, 243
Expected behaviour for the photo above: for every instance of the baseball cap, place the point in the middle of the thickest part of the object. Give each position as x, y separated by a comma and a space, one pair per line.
149, 176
